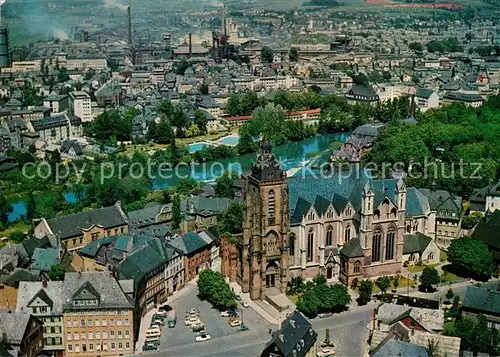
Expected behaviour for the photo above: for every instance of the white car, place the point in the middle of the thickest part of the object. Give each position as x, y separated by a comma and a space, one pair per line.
202, 338
244, 303
225, 314
191, 320
235, 323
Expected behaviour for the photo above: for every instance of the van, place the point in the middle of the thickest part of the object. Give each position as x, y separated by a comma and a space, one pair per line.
153, 333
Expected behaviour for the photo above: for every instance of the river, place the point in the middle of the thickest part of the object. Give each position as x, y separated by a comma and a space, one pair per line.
290, 155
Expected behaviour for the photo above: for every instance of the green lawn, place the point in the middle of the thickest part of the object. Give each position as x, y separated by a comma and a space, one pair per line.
419, 268
293, 298
17, 226
448, 277
443, 256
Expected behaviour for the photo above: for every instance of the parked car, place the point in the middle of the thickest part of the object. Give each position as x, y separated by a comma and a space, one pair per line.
158, 316
244, 303
150, 346
191, 320
235, 323
155, 323
243, 327
202, 338
325, 352
324, 314
197, 326
152, 340
193, 311
225, 314
158, 322
233, 313
200, 333
165, 308
237, 297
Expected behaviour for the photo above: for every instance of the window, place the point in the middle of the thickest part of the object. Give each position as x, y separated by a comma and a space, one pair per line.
113, 346
75, 323
120, 334
292, 244
91, 335
430, 256
97, 335
43, 309
329, 233
111, 322
89, 323
91, 347
271, 205
105, 322
104, 334
68, 323
127, 333
120, 346
389, 245
357, 267
84, 336
377, 240
77, 348
69, 336
376, 215
127, 345
97, 322
84, 348
329, 214
112, 334
348, 212
310, 245
311, 216
70, 347
347, 234
77, 336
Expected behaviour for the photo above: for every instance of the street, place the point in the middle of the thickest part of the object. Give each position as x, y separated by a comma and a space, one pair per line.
347, 330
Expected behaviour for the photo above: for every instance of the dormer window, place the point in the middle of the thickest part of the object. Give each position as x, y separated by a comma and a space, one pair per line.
311, 216
329, 214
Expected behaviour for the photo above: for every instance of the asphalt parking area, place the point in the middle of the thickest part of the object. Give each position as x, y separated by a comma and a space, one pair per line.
215, 325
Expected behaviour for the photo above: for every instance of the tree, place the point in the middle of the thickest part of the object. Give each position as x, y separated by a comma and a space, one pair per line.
201, 121
267, 54
395, 282
164, 132
454, 311
176, 212
319, 279
17, 236
224, 186
192, 131
30, 207
56, 272
293, 54
182, 66
231, 220
246, 143
296, 286
204, 89
416, 46
429, 277
471, 220
166, 198
5, 210
383, 283
365, 290
471, 257
449, 294
213, 287
323, 298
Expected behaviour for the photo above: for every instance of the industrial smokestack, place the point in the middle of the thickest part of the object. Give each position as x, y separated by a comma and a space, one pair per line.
190, 45
413, 105
129, 26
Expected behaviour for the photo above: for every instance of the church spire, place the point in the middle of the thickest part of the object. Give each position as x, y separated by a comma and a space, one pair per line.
266, 166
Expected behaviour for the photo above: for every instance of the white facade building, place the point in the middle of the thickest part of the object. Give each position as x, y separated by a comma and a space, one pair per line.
80, 105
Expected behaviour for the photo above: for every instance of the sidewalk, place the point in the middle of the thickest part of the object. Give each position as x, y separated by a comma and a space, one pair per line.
246, 296
146, 319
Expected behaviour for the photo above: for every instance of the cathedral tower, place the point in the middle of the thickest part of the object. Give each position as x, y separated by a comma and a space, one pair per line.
264, 256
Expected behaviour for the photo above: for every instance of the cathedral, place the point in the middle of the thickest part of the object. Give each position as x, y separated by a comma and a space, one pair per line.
345, 226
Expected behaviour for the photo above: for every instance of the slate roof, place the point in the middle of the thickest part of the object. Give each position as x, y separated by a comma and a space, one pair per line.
18, 276
13, 326
482, 300
296, 334
372, 129
43, 259
443, 201
487, 231
399, 348
188, 243
417, 204
52, 295
431, 319
72, 225
31, 244
352, 249
138, 264
415, 243
108, 288
424, 93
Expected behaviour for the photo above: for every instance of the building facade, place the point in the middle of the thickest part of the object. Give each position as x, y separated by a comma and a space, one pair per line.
80, 106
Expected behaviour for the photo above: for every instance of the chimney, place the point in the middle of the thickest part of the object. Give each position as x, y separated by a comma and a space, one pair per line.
374, 318
44, 283
129, 26
78, 275
292, 322
413, 105
190, 45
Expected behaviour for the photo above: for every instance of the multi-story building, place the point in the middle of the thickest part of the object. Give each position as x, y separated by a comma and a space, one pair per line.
486, 199
80, 106
196, 252
44, 300
77, 230
174, 273
57, 128
362, 94
56, 103
21, 334
426, 99
98, 316
468, 99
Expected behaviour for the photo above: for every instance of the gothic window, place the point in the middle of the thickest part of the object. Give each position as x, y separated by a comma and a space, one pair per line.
310, 245
357, 267
292, 244
389, 245
376, 243
329, 214
376, 215
348, 212
311, 216
393, 212
347, 234
270, 208
329, 233
430, 256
